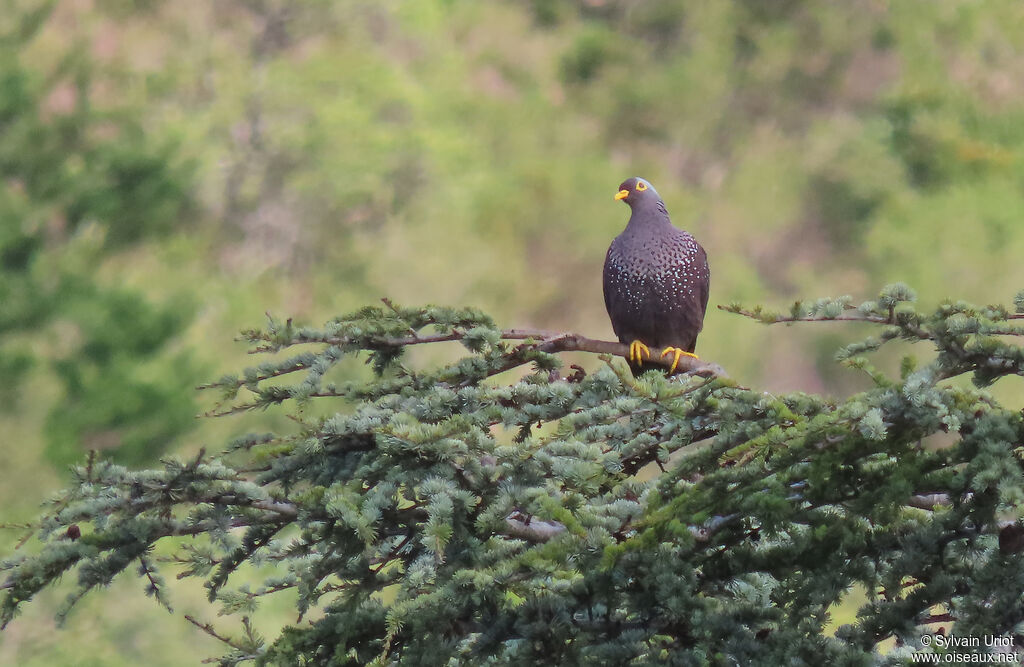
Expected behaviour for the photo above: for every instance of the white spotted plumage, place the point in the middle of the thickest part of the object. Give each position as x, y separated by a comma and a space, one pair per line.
656, 277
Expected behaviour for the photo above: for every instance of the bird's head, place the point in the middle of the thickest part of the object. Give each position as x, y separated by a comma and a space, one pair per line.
635, 191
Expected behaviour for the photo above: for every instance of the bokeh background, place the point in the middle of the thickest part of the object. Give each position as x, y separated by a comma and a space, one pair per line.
172, 170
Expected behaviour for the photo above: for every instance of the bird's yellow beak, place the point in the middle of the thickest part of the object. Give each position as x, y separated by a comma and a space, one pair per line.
621, 194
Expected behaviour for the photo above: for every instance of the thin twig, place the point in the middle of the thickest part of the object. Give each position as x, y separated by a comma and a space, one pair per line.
209, 629
777, 319
391, 554
785, 319
394, 309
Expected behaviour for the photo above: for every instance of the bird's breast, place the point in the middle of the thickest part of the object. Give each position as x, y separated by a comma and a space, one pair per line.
665, 269
653, 255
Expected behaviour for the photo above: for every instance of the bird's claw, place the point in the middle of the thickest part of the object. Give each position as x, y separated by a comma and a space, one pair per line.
637, 351
678, 353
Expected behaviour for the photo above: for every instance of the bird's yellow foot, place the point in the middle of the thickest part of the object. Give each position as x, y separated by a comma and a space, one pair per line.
678, 353
637, 352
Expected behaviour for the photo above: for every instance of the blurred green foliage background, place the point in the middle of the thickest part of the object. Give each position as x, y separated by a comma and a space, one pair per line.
170, 171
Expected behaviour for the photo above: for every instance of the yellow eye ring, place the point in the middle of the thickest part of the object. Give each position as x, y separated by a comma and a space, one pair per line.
640, 186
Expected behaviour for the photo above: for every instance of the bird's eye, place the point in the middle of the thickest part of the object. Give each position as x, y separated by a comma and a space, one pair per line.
640, 186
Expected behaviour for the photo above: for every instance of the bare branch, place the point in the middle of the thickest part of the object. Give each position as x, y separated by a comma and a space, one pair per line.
533, 529
937, 618
538, 340
553, 342
284, 509
929, 501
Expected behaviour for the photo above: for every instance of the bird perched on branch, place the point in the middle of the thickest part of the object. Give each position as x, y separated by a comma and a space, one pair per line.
656, 280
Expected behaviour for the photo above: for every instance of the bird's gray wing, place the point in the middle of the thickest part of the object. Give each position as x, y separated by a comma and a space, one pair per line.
612, 280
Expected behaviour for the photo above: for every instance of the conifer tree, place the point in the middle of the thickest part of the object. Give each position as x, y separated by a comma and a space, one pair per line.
490, 510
